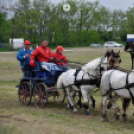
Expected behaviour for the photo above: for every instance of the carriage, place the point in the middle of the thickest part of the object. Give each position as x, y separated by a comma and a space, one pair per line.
38, 84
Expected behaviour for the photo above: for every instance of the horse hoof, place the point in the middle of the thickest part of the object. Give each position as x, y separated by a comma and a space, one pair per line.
88, 113
109, 105
125, 117
105, 120
126, 120
75, 110
116, 116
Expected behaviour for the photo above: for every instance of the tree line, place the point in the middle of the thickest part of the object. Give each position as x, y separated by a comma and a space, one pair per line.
85, 23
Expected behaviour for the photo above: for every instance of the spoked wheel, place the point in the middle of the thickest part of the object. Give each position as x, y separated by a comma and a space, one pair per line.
25, 93
40, 95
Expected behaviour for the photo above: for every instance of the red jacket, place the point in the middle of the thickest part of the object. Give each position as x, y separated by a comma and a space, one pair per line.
42, 54
60, 58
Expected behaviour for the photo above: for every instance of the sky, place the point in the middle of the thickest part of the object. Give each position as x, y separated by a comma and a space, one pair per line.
112, 4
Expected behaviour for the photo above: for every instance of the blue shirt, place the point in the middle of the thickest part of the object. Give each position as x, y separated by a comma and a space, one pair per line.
20, 56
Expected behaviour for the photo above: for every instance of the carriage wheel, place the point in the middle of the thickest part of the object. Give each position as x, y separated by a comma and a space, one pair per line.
40, 95
25, 93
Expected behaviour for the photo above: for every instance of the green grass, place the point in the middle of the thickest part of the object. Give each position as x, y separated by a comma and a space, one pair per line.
55, 118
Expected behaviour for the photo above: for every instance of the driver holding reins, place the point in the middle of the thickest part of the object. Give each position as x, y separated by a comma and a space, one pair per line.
44, 55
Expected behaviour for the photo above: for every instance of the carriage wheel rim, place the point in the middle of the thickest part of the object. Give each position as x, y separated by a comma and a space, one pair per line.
40, 96
24, 93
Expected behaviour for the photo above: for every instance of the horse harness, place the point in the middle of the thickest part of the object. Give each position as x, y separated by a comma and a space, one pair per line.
78, 83
127, 86
90, 81
95, 81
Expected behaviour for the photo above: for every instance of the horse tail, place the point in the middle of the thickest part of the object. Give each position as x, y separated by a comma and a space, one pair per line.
60, 88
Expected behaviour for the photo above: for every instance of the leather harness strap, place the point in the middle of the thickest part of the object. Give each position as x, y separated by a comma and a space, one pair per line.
83, 81
127, 86
89, 81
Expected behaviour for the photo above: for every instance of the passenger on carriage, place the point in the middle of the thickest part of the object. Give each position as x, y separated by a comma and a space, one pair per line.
59, 58
44, 56
24, 56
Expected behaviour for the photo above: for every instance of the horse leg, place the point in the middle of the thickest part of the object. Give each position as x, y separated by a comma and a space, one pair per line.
104, 100
125, 105
93, 102
109, 105
79, 101
117, 110
70, 95
86, 101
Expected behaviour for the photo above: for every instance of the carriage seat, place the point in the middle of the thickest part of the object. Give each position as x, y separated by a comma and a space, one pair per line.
49, 76
40, 68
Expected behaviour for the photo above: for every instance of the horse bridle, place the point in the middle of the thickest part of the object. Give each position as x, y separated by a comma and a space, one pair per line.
101, 68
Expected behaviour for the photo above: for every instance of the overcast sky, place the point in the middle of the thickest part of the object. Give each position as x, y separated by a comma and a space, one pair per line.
112, 4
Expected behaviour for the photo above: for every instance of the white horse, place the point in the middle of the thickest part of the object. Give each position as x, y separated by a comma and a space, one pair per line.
121, 83
84, 81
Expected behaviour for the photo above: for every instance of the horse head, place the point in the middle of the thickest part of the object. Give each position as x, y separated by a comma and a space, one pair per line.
113, 59
110, 61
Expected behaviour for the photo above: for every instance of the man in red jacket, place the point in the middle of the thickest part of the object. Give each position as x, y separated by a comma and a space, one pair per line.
44, 55
59, 58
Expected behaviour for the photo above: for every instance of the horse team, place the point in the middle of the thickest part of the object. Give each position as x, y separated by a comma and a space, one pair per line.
111, 77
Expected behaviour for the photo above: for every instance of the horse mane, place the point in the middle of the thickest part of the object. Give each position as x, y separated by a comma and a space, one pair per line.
92, 65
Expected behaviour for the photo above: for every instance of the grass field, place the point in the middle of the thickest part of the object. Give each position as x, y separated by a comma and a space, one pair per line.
55, 118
